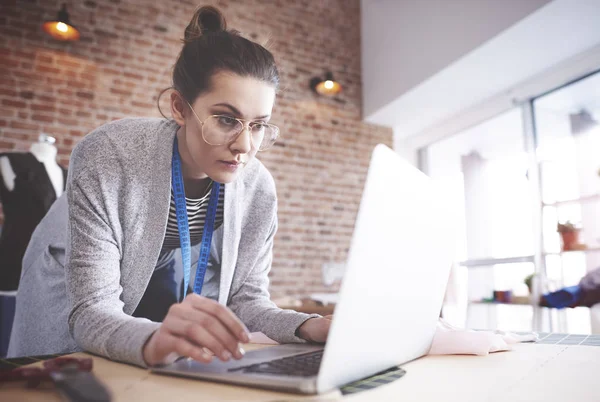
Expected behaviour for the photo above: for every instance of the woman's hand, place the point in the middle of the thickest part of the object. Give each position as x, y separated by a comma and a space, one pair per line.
315, 329
195, 328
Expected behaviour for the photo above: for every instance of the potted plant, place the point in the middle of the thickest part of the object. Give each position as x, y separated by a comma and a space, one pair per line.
529, 282
569, 235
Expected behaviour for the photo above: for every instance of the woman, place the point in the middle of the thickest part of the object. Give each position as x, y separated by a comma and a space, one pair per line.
109, 267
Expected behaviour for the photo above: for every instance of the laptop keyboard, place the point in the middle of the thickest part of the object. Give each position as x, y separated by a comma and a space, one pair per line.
304, 365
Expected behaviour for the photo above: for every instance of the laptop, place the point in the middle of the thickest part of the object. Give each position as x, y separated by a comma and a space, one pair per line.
390, 297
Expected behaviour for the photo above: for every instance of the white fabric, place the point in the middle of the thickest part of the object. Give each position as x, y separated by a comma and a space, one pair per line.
46, 153
451, 340
8, 174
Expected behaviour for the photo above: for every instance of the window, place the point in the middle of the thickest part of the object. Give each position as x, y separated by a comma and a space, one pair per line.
488, 174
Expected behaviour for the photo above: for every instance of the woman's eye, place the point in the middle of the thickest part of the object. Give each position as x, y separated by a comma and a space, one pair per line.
227, 121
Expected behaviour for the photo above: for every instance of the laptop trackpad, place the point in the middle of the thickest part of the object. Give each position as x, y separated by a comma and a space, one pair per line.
251, 357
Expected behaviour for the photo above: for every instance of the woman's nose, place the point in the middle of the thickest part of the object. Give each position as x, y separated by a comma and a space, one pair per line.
243, 143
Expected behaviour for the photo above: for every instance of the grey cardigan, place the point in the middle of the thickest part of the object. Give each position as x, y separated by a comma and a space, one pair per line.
90, 259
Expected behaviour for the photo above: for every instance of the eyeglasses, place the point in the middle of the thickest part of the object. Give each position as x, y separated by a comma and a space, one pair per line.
220, 129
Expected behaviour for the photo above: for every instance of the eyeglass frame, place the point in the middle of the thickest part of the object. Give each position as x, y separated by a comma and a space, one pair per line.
244, 127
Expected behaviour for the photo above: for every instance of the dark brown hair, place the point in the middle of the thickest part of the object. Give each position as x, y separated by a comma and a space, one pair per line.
208, 47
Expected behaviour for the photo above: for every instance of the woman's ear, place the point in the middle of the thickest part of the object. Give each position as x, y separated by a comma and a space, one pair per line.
177, 108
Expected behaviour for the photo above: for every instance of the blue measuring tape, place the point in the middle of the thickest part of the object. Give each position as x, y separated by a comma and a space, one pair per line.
184, 228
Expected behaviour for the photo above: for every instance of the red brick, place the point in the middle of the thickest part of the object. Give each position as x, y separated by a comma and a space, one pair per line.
143, 43
7, 81
78, 84
85, 94
15, 136
45, 58
24, 126
111, 71
82, 113
74, 103
8, 92
47, 69
42, 118
13, 32
27, 94
133, 76
24, 54
88, 76
27, 77
55, 82
70, 64
120, 91
42, 108
6, 145
66, 121
45, 98
14, 103
144, 105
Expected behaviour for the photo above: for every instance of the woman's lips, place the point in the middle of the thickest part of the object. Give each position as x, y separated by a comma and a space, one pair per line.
231, 166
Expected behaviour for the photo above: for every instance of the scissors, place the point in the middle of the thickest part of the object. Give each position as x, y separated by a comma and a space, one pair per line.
72, 376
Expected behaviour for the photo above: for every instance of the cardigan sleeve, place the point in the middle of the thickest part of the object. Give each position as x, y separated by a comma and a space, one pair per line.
252, 303
96, 318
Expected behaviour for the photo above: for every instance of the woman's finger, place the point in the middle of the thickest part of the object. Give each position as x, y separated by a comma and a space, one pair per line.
196, 334
171, 343
218, 330
224, 314
214, 326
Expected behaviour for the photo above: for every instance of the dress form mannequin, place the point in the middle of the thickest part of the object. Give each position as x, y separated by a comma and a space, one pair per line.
45, 152
30, 182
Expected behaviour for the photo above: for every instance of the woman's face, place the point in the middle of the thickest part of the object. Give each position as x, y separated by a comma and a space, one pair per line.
230, 95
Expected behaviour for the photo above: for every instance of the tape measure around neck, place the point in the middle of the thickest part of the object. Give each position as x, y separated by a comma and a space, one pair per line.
184, 228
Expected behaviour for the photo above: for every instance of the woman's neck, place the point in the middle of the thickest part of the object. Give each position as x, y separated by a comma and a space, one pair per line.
196, 182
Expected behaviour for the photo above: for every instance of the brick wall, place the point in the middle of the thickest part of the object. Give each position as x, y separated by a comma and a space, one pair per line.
124, 59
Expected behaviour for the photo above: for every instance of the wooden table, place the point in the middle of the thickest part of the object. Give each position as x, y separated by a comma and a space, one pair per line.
528, 373
308, 306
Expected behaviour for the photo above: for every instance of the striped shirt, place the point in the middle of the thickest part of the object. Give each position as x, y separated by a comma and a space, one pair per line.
196, 210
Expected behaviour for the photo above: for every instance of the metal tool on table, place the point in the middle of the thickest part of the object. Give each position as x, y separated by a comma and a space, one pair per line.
72, 376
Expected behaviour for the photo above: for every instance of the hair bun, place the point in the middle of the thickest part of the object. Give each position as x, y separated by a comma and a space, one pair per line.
205, 20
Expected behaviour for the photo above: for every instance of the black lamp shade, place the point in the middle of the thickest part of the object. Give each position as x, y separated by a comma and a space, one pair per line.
327, 86
61, 28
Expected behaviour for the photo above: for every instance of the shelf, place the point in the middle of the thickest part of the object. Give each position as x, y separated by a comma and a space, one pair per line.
491, 303
486, 262
585, 250
587, 198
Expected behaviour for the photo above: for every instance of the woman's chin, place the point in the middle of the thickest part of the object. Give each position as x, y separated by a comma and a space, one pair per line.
224, 177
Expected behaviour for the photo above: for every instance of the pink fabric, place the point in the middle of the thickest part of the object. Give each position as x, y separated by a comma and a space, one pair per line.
451, 340
261, 339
